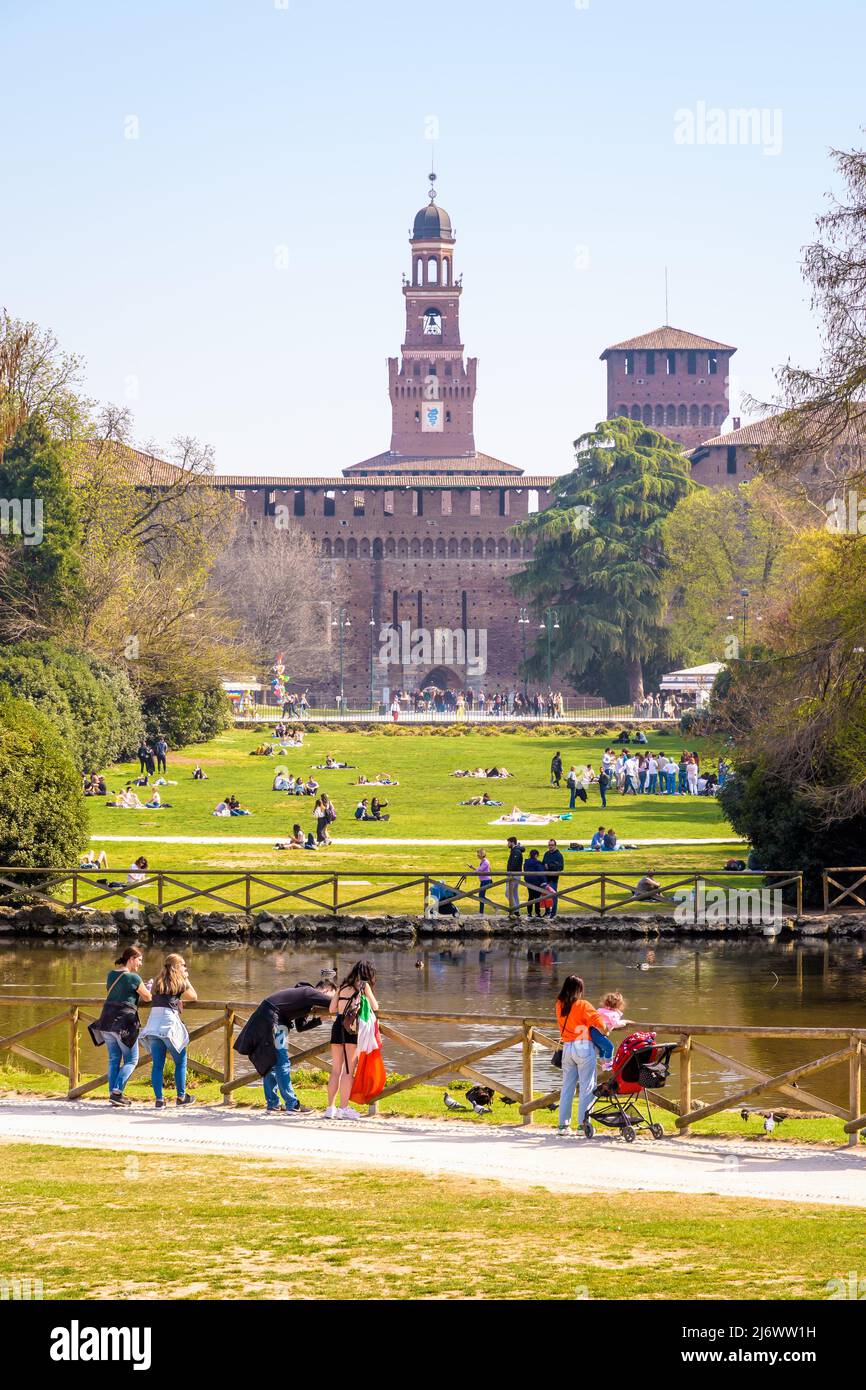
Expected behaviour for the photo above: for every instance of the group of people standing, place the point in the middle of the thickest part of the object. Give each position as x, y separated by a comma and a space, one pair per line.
640, 773
263, 1038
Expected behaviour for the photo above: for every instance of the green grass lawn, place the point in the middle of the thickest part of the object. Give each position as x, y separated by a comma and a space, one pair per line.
424, 806
100, 1225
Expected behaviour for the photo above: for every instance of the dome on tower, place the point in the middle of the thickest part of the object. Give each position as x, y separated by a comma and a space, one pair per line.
431, 224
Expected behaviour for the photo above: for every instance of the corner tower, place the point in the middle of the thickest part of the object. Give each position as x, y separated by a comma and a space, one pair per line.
432, 390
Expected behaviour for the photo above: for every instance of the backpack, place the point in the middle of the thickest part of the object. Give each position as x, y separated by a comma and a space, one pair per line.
351, 1011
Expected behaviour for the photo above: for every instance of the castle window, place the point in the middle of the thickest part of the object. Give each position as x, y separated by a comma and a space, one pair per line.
650, 364
683, 415
446, 502
417, 502
416, 370
299, 506
732, 458
475, 501
629, 364
358, 504
433, 322
503, 501
635, 412
713, 363
660, 415
419, 606
432, 271
647, 414
671, 364
532, 500
692, 363
388, 503
395, 606
270, 503
706, 415
330, 504
448, 417
448, 369
464, 611
671, 415
694, 415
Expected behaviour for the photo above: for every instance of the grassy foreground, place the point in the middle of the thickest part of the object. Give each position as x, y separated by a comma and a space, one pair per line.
98, 1225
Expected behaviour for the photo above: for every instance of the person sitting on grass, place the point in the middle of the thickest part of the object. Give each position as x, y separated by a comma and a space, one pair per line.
376, 809
235, 808
597, 841
281, 780
198, 775
361, 812
610, 841
649, 890
222, 808
155, 803
311, 786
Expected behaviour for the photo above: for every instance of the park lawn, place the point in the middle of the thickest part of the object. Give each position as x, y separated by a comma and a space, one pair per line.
426, 1102
102, 1225
424, 806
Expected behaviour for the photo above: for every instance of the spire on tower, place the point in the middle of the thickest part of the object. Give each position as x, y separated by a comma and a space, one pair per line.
432, 189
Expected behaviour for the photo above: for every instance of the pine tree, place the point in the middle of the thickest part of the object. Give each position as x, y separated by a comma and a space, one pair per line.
599, 556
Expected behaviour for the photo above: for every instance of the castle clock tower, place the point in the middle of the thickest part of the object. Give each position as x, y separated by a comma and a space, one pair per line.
432, 391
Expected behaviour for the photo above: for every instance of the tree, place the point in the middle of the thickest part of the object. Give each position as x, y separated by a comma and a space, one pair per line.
822, 408
269, 578
36, 378
718, 541
40, 579
599, 555
43, 813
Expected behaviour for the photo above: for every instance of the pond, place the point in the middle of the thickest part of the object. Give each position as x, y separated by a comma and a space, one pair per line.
766, 982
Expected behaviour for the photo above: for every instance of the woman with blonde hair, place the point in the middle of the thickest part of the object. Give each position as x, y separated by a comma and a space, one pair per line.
165, 1031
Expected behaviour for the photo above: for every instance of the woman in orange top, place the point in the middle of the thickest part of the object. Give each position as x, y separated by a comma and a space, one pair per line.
575, 1016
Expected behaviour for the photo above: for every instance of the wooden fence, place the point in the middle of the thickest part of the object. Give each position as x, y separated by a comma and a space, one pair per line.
332, 892
522, 1032
844, 894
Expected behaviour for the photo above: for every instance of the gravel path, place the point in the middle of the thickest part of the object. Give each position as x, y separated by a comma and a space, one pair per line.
365, 840
521, 1157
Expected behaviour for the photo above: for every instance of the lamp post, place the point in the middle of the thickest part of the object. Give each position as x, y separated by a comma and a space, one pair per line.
372, 632
744, 595
551, 624
341, 622
523, 623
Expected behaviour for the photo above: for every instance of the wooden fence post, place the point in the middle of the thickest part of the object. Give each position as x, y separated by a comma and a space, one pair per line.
528, 1070
229, 1054
685, 1076
825, 881
854, 1069
74, 1049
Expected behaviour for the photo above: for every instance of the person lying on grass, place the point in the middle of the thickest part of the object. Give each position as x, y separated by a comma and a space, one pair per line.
198, 775
483, 800
330, 764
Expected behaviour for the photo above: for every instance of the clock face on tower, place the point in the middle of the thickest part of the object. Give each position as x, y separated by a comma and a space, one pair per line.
433, 322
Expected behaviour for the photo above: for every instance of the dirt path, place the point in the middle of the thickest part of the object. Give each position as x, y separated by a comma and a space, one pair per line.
366, 840
521, 1157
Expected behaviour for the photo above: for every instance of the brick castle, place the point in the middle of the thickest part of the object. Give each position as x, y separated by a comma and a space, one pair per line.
417, 536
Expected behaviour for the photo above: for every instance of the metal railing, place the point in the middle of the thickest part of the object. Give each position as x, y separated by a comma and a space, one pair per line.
524, 1032
335, 891
608, 714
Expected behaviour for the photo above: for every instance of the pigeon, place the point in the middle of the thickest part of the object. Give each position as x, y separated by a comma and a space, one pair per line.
452, 1104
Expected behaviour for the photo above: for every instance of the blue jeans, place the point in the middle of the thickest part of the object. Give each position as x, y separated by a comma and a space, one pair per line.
653, 783
578, 1065
122, 1061
279, 1078
671, 777
158, 1049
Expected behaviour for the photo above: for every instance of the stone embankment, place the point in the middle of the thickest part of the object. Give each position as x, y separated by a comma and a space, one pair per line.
45, 922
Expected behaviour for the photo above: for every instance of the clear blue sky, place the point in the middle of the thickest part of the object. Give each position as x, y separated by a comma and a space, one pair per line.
305, 127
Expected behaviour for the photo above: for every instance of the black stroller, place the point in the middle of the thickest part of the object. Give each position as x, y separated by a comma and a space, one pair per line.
640, 1065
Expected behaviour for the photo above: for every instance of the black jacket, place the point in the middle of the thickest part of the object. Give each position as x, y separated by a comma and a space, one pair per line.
533, 873
515, 860
286, 1007
121, 1019
553, 862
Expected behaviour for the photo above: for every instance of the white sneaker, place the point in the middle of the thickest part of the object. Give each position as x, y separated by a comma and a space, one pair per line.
348, 1114
330, 1113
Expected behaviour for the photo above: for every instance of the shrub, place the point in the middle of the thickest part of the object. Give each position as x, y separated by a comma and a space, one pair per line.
43, 814
191, 716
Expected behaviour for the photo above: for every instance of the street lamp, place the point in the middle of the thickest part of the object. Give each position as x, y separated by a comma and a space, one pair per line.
341, 622
523, 623
551, 624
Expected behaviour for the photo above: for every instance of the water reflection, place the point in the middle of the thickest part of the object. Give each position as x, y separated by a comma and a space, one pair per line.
760, 982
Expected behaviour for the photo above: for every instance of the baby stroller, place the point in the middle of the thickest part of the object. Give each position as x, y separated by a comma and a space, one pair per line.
640, 1065
440, 901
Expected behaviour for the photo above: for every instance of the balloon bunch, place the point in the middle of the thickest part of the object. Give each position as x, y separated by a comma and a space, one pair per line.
278, 681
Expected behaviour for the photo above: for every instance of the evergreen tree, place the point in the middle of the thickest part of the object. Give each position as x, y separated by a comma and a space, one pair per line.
599, 556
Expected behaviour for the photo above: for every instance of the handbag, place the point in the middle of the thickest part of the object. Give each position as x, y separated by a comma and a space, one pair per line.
556, 1057
96, 1035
